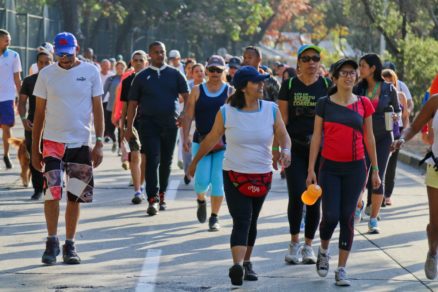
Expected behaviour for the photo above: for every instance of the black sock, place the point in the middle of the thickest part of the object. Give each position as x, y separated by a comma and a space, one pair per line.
213, 215
201, 202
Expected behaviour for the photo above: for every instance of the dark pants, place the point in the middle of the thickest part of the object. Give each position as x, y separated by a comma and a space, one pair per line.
110, 129
390, 173
342, 184
296, 175
383, 145
244, 211
158, 143
37, 177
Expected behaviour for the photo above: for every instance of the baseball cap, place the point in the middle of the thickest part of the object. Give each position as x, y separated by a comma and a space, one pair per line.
339, 64
311, 195
216, 61
139, 52
46, 46
174, 54
389, 65
65, 42
247, 73
304, 48
234, 63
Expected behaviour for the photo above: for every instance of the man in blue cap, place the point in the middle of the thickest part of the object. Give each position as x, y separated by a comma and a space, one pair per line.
68, 93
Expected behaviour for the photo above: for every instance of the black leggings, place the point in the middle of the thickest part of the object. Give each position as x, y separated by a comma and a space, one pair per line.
342, 184
383, 145
296, 175
37, 177
244, 211
158, 143
390, 173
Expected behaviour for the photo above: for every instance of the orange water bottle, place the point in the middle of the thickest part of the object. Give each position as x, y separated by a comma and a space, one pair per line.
311, 195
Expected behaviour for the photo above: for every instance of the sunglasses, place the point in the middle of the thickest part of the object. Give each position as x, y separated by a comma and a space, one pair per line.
62, 55
347, 73
306, 59
215, 70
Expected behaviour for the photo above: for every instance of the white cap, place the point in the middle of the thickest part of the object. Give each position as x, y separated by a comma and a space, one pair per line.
46, 46
174, 54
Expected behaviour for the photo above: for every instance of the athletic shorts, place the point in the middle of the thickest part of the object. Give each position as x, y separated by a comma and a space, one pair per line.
431, 177
7, 115
76, 164
134, 143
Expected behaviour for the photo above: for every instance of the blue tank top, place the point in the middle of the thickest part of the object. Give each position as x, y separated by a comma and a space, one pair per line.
206, 108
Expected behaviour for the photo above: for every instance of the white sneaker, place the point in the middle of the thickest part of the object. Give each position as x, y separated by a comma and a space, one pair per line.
294, 256
341, 277
430, 267
373, 226
358, 213
309, 257
322, 263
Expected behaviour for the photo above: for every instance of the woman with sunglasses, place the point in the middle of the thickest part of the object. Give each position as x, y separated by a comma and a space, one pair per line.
344, 119
249, 124
203, 104
297, 100
383, 96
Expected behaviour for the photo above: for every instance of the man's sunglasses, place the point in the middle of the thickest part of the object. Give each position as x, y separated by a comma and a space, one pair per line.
215, 70
306, 59
62, 55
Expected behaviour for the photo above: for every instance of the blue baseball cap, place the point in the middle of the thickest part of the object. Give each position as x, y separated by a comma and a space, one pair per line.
304, 48
65, 43
247, 73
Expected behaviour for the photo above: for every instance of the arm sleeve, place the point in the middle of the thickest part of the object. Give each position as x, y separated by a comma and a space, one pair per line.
135, 90
320, 107
368, 107
40, 89
284, 91
182, 83
17, 63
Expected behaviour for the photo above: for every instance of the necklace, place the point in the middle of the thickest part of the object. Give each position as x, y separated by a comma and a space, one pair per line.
373, 94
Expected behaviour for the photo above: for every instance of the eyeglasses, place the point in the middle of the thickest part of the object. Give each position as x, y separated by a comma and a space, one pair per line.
62, 55
215, 70
306, 59
347, 73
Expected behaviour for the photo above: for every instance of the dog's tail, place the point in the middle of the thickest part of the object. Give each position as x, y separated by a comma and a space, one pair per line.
16, 141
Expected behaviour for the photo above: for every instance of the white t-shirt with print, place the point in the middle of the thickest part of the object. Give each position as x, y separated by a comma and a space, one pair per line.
69, 101
9, 64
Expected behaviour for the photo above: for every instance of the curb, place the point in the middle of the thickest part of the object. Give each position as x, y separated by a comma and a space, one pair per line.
411, 159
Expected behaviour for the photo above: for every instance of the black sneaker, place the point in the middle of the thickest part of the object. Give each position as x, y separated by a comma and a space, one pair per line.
138, 197
250, 275
36, 196
187, 180
69, 254
51, 252
236, 275
7, 162
213, 223
153, 206
201, 213
163, 205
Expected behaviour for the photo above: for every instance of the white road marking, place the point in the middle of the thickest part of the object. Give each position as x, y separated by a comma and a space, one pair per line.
172, 189
149, 271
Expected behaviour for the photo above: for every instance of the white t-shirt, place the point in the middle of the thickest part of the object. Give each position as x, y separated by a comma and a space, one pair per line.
69, 101
103, 78
249, 137
404, 88
9, 64
33, 69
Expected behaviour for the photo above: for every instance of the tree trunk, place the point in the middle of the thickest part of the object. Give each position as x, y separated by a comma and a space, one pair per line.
70, 16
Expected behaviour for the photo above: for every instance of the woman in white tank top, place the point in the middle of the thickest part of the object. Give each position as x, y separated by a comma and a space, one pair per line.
428, 112
250, 125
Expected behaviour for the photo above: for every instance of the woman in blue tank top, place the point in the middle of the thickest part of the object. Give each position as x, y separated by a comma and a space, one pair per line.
203, 104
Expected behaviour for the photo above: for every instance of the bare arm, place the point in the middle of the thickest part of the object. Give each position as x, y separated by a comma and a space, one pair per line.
283, 108
17, 80
369, 140
97, 153
189, 110
22, 112
405, 112
281, 137
38, 123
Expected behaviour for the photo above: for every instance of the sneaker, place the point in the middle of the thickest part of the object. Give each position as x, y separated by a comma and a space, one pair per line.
250, 275
430, 267
36, 196
138, 197
341, 277
187, 180
107, 139
322, 263
69, 254
163, 205
114, 148
52, 251
153, 206
293, 257
201, 213
125, 165
7, 162
373, 226
309, 257
388, 202
236, 275
358, 213
213, 224
180, 164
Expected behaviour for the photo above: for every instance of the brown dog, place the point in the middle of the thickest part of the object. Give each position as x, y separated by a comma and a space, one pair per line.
24, 159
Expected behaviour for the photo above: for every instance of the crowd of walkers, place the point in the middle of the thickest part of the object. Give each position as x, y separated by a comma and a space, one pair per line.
234, 121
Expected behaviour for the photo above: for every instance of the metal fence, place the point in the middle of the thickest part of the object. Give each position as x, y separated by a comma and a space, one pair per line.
27, 30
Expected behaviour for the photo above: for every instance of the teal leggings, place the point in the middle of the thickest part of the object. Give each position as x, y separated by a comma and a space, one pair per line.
209, 172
